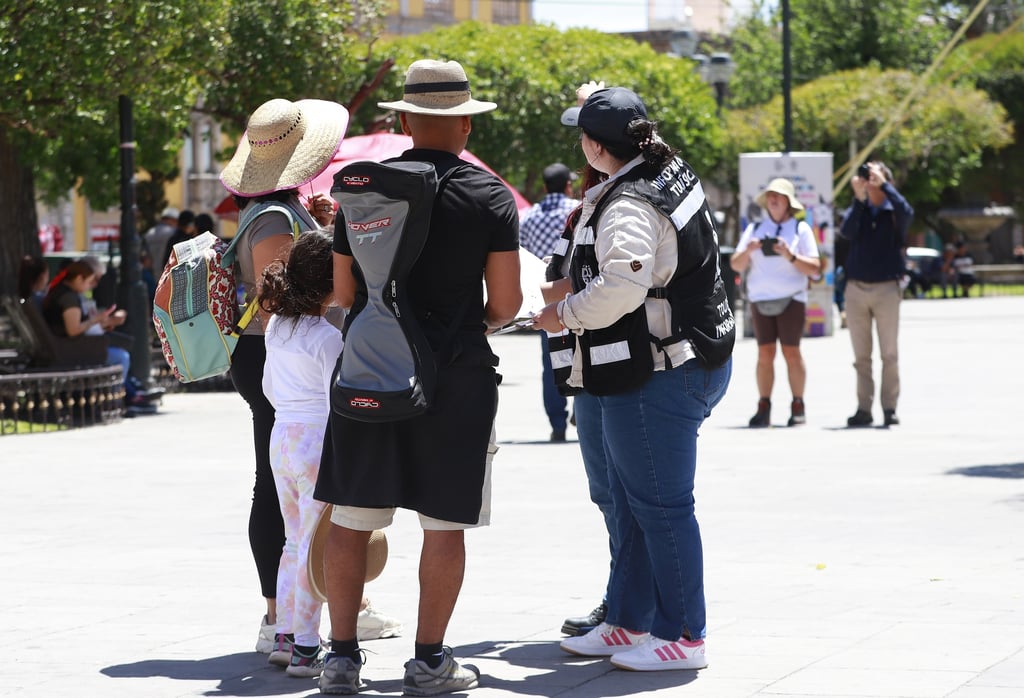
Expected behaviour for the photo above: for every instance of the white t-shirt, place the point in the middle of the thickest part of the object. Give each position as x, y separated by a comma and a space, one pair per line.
300, 361
773, 277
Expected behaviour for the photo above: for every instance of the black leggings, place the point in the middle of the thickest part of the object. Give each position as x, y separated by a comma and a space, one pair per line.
266, 525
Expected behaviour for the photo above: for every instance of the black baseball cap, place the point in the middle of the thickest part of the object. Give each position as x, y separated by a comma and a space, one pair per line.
606, 114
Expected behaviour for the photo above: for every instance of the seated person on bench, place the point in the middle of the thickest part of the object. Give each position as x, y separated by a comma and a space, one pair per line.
64, 309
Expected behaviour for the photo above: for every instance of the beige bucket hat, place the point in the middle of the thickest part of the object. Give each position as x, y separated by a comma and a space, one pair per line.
781, 185
440, 88
285, 145
376, 555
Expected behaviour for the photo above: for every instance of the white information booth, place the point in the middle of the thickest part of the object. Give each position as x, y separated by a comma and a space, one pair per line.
811, 174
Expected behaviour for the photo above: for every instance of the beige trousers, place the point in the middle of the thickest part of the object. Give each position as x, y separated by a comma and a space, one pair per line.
879, 302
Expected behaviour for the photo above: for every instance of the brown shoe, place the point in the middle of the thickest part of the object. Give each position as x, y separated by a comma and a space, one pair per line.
764, 414
796, 413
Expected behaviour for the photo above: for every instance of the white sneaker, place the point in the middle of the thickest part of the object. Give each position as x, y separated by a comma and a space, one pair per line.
265, 642
282, 653
662, 655
371, 624
603, 641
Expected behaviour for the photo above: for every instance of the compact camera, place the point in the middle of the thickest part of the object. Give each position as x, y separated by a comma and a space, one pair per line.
768, 247
863, 172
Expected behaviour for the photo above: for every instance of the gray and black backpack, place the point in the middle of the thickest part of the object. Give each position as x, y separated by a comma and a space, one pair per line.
387, 370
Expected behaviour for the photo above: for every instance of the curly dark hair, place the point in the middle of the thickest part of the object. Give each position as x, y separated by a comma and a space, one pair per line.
300, 286
644, 134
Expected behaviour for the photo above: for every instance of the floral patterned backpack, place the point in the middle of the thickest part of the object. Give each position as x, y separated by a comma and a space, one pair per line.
195, 310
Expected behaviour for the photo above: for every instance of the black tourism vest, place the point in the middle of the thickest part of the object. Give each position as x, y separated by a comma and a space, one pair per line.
618, 358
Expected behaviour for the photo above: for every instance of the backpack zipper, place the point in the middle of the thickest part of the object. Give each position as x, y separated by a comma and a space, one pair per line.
394, 298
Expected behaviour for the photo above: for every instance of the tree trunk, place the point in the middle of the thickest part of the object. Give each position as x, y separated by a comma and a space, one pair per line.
19, 225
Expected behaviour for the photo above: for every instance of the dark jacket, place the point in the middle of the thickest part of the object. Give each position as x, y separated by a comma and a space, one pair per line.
877, 237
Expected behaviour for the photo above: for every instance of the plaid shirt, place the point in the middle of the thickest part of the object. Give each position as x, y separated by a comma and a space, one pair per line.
543, 224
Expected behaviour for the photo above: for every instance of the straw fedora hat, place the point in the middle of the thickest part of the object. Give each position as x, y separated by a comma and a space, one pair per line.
376, 556
285, 145
440, 88
781, 185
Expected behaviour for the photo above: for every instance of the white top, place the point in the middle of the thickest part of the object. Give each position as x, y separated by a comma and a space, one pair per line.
774, 277
636, 250
300, 361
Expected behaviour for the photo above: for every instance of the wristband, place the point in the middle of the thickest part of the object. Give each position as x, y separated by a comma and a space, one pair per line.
792, 259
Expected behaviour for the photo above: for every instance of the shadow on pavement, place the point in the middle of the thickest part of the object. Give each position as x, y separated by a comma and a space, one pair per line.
1006, 471
574, 673
242, 674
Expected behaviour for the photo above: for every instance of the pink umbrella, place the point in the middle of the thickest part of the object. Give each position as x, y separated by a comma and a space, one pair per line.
374, 147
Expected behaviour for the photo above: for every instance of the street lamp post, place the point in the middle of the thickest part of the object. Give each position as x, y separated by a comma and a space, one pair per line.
132, 293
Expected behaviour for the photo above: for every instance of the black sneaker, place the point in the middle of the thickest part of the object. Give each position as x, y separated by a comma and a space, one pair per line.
763, 418
890, 418
558, 437
860, 419
583, 625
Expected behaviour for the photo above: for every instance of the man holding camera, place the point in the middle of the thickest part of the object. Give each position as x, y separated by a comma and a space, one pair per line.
781, 252
876, 226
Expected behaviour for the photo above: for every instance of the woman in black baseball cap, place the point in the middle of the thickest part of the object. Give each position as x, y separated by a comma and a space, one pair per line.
645, 300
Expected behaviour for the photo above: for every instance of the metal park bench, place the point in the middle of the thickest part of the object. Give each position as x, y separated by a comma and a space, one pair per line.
50, 383
998, 275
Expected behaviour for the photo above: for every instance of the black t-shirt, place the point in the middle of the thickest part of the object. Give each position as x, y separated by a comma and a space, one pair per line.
475, 215
60, 299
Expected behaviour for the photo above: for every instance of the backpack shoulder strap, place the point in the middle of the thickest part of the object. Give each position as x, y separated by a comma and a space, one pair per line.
249, 216
230, 255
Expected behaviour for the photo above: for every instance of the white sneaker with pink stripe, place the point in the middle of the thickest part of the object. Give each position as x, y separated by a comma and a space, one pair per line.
663, 655
604, 641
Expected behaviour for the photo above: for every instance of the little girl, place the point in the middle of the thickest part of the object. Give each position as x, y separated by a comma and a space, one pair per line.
302, 349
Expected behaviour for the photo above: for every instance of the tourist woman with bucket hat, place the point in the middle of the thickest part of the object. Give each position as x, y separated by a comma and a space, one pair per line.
780, 252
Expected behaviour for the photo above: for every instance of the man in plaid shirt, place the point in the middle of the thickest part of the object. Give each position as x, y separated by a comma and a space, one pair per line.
539, 230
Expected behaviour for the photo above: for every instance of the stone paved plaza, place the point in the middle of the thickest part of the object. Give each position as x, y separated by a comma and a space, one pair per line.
873, 562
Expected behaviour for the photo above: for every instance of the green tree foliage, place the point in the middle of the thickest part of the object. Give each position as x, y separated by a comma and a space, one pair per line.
937, 145
829, 36
62, 67
295, 49
994, 63
532, 72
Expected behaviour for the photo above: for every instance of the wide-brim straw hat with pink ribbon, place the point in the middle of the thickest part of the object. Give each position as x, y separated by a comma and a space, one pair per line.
440, 88
285, 145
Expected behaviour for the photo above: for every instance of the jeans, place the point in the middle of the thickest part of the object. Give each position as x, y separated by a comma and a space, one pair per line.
591, 434
116, 356
554, 402
650, 441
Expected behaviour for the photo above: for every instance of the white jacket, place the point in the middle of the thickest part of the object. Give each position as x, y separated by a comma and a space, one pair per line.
636, 250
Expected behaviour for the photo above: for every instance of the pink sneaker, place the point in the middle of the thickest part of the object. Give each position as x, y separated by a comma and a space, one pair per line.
663, 655
603, 641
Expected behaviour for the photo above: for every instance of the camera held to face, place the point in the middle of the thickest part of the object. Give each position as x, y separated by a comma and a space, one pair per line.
768, 247
863, 172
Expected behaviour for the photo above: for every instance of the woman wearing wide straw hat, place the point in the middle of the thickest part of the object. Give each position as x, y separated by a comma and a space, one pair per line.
780, 253
286, 145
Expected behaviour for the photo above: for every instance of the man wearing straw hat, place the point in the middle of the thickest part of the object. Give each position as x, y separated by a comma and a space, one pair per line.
437, 464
